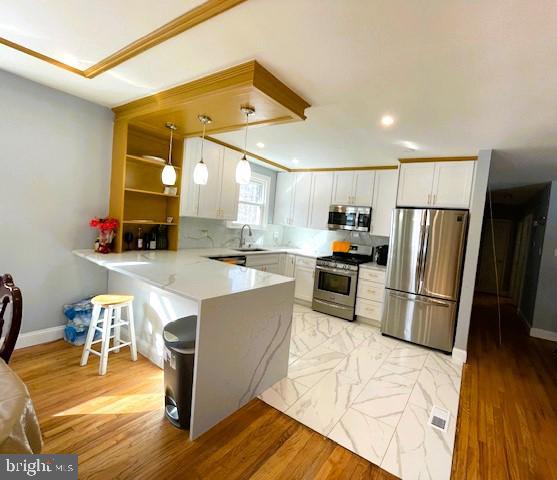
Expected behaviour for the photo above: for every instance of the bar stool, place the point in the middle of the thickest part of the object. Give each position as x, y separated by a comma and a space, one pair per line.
112, 305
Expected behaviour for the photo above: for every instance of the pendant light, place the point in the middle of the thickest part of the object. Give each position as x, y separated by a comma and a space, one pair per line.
168, 175
200, 172
243, 169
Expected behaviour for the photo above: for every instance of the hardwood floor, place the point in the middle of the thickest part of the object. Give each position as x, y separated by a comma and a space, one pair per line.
115, 425
507, 424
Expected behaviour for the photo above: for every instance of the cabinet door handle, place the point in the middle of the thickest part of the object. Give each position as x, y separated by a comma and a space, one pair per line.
429, 198
434, 198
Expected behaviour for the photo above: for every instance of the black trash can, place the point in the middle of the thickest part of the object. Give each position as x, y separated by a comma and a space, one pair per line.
179, 357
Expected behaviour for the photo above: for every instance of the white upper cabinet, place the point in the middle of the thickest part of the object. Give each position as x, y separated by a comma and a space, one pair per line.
284, 198
415, 182
230, 190
436, 184
302, 192
189, 199
343, 184
384, 201
363, 188
209, 195
452, 184
219, 198
353, 188
321, 193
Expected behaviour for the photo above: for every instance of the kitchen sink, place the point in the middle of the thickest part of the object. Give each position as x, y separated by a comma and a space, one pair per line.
249, 249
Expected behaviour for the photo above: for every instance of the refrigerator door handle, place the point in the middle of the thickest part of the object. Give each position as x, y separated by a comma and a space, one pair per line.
426, 301
423, 252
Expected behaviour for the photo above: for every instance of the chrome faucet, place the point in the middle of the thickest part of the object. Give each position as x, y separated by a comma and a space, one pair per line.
242, 239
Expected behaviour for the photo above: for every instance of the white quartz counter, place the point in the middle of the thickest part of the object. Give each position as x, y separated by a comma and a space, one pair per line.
374, 266
188, 273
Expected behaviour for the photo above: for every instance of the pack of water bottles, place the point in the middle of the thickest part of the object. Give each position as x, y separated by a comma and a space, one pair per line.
79, 317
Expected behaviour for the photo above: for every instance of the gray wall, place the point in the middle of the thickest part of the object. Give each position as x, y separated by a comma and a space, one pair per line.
545, 311
55, 160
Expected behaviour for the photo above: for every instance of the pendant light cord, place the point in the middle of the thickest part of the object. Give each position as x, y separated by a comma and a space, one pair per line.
170, 148
203, 140
246, 135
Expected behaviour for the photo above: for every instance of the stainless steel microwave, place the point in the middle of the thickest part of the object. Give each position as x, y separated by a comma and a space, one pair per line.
348, 217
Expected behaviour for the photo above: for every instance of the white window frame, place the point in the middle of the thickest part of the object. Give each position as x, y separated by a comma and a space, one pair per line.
266, 180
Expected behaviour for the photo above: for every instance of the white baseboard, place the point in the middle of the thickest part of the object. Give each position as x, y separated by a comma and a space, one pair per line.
543, 334
37, 337
459, 355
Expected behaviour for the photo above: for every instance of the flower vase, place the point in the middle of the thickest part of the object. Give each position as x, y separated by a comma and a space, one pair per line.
105, 241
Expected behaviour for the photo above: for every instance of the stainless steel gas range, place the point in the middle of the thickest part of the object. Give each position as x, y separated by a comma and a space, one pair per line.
336, 281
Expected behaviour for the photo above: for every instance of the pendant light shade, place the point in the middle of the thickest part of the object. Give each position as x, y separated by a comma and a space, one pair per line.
201, 172
168, 175
243, 169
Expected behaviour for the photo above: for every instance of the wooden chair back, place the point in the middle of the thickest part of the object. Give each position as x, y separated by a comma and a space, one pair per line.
9, 294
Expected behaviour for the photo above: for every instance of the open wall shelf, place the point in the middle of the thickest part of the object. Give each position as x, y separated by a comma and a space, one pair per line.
137, 197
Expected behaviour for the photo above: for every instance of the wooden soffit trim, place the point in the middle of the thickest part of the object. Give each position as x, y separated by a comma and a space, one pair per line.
193, 17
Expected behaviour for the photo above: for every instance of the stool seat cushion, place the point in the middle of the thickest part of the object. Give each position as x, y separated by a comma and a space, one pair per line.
105, 300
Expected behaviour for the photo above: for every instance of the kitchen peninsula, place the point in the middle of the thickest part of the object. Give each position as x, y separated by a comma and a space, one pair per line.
243, 325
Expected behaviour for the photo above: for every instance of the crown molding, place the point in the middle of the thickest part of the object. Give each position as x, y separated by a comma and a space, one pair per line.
437, 159
193, 17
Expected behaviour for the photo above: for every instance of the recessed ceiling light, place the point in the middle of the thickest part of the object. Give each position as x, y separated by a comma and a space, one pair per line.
260, 145
409, 145
387, 120
295, 161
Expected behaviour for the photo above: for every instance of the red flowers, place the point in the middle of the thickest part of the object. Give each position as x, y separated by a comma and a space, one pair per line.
104, 224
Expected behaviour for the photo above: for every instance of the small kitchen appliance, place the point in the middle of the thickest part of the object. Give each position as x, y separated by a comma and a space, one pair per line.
381, 254
336, 281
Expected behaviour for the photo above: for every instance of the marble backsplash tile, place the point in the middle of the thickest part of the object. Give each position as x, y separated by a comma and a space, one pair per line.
206, 233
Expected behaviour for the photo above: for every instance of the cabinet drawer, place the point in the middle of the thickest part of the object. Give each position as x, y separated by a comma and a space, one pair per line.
372, 275
370, 290
305, 262
369, 309
258, 259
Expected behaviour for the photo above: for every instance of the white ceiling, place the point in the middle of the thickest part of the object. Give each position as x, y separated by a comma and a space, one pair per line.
457, 76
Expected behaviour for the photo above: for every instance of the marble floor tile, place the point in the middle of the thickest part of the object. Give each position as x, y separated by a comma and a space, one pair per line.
303, 321
443, 363
292, 358
330, 326
344, 341
307, 340
283, 393
360, 329
363, 363
363, 435
418, 451
436, 388
313, 366
326, 402
385, 396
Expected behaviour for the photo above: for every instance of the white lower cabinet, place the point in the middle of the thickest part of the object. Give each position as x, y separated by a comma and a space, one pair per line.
288, 263
370, 294
304, 273
265, 262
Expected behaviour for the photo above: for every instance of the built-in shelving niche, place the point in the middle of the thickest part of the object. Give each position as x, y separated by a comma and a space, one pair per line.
137, 193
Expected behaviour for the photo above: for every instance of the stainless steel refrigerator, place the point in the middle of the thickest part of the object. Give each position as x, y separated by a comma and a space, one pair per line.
424, 270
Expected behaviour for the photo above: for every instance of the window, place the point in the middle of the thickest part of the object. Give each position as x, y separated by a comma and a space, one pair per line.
254, 201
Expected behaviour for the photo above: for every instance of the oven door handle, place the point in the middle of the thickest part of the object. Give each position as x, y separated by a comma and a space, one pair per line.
347, 273
331, 304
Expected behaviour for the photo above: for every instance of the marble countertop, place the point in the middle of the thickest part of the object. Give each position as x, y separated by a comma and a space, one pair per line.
188, 273
374, 266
